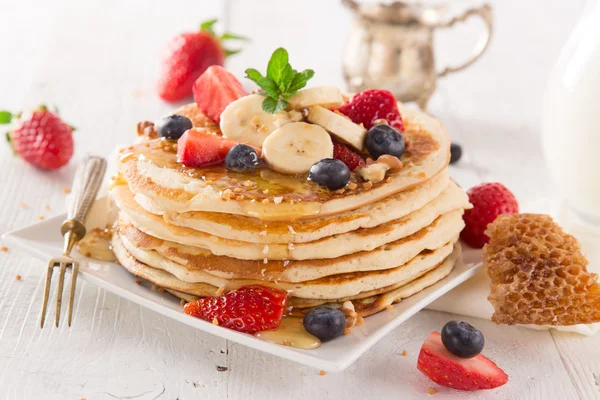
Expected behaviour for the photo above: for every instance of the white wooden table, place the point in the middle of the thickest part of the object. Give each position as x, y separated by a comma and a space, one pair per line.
97, 61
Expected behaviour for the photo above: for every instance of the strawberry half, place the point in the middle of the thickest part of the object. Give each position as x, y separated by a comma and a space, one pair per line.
371, 105
489, 200
347, 156
215, 89
249, 309
196, 148
187, 56
42, 139
448, 370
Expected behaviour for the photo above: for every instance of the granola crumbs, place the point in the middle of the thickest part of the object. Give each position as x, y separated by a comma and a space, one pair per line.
67, 190
4, 249
41, 218
431, 391
18, 277
322, 373
227, 194
286, 342
352, 185
367, 185
265, 201
404, 353
247, 183
233, 180
388, 179
48, 207
238, 190
422, 174
23, 205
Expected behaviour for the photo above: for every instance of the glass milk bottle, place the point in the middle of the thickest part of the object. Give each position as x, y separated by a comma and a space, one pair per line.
571, 118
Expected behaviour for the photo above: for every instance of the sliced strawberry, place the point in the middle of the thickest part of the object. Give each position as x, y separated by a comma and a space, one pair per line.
249, 309
448, 370
215, 89
198, 149
372, 105
347, 156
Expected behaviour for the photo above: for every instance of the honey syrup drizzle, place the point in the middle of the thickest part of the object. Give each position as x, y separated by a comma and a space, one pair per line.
291, 333
97, 244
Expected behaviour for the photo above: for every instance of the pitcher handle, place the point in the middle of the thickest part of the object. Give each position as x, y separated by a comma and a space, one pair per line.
485, 13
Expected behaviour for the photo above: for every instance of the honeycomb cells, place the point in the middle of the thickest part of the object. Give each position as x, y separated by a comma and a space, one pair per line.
538, 273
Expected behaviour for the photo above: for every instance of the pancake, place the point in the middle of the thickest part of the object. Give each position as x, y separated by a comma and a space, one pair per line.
373, 304
151, 170
441, 231
333, 286
247, 229
364, 306
363, 239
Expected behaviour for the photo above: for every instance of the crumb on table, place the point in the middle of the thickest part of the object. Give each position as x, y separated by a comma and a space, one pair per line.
41, 218
67, 190
322, 373
137, 282
18, 277
23, 205
431, 391
221, 369
404, 353
4, 249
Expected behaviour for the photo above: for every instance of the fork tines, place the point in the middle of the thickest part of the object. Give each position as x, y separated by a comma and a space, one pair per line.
62, 262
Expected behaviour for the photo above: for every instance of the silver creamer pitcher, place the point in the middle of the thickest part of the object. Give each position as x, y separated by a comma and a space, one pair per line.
390, 46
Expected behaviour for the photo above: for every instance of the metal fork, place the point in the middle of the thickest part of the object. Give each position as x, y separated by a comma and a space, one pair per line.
88, 179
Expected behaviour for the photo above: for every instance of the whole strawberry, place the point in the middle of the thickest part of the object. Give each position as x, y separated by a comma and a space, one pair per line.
372, 105
249, 309
489, 201
41, 138
187, 56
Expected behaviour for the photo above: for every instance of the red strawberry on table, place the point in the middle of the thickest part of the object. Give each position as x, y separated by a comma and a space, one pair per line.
187, 56
215, 89
41, 138
371, 105
446, 369
249, 309
489, 200
347, 156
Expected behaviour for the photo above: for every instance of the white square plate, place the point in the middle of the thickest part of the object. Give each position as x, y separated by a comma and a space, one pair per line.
43, 240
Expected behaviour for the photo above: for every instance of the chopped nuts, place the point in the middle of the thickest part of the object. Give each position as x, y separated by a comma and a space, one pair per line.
238, 190
227, 194
278, 200
367, 185
352, 185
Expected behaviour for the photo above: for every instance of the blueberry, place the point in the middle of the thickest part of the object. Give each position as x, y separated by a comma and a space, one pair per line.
462, 339
324, 322
331, 173
455, 152
241, 158
173, 126
383, 139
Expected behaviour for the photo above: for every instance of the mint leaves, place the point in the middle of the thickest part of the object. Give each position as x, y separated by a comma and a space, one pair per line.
281, 82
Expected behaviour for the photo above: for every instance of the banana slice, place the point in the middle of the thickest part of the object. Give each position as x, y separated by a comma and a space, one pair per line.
295, 147
245, 121
339, 126
324, 96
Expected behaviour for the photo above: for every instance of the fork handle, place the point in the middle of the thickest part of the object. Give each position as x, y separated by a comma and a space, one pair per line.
86, 184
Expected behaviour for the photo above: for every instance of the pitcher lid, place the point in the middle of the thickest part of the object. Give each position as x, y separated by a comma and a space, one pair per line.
398, 12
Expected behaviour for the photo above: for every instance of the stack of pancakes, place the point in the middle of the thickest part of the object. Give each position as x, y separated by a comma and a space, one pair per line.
200, 232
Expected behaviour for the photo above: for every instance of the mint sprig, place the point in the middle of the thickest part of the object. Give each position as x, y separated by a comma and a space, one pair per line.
281, 82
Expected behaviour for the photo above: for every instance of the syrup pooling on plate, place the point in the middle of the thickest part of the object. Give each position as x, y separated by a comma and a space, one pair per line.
291, 333
96, 244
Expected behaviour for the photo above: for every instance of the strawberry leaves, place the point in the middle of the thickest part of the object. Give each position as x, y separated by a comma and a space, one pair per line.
5, 117
208, 27
281, 82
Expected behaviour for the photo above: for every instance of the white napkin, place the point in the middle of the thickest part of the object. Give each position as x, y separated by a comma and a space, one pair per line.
470, 298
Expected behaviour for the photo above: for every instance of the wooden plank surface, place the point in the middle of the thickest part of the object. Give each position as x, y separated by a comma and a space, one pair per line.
97, 61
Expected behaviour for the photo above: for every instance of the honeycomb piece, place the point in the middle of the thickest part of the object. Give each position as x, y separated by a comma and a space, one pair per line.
538, 273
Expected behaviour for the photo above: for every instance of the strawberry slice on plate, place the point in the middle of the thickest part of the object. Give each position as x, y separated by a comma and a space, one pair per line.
446, 369
215, 89
372, 105
249, 309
